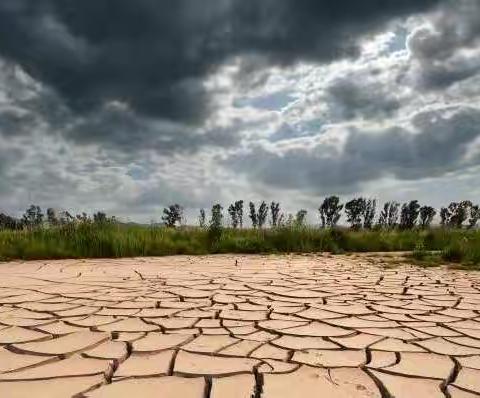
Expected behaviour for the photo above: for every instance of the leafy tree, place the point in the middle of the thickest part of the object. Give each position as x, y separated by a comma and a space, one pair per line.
354, 210
215, 225
360, 212
393, 214
33, 216
409, 214
201, 218
474, 216
389, 215
275, 213
99, 218
330, 211
253, 214
172, 215
427, 213
444, 217
236, 214
217, 216
455, 214
369, 213
300, 218
66, 218
458, 213
52, 217
239, 209
233, 216
262, 214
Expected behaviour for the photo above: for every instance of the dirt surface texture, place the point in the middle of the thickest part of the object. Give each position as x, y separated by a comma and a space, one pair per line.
238, 327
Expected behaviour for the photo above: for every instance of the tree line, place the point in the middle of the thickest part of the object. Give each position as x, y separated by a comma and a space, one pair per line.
359, 213
34, 217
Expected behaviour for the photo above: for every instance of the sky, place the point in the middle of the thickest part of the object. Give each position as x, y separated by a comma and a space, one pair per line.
129, 106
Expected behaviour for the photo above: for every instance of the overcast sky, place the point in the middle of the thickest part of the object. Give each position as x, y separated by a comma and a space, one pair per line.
127, 106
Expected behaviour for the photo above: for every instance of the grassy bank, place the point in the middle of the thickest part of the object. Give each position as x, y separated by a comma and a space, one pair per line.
112, 240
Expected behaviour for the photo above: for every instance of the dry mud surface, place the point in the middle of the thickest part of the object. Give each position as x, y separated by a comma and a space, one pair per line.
270, 327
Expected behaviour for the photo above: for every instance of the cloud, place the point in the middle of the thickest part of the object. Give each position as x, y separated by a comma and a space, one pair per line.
435, 143
349, 99
154, 57
446, 49
134, 106
118, 128
10, 156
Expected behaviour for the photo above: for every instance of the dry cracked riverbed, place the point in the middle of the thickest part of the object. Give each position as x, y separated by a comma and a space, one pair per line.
270, 327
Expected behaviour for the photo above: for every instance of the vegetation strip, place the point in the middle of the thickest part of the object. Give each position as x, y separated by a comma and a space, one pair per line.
397, 228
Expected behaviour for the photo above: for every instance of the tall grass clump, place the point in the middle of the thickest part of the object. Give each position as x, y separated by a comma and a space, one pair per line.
464, 249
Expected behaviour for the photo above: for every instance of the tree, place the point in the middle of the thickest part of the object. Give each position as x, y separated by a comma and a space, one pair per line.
409, 214
300, 218
65, 218
360, 212
389, 215
330, 211
383, 218
99, 217
354, 210
233, 216
444, 217
369, 213
52, 217
474, 216
262, 214
33, 216
458, 213
253, 215
216, 217
239, 210
236, 214
455, 214
427, 213
215, 225
275, 213
201, 218
172, 215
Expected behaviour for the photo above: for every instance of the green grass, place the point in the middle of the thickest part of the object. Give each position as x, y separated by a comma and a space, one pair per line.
117, 240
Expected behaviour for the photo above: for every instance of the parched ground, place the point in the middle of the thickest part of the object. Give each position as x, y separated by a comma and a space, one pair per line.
269, 327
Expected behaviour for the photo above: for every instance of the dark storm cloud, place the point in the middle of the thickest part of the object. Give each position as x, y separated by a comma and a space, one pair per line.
447, 52
348, 99
13, 123
8, 158
436, 145
120, 129
155, 55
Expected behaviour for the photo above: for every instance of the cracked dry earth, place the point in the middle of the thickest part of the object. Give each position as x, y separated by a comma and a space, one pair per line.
271, 327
